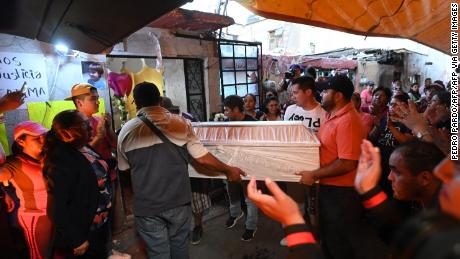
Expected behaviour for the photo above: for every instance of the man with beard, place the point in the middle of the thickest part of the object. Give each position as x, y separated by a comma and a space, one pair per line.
343, 232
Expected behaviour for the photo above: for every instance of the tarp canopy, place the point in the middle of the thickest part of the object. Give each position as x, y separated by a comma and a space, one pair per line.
423, 21
84, 25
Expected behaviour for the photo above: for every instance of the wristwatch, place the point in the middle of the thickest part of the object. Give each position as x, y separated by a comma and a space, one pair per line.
315, 178
421, 134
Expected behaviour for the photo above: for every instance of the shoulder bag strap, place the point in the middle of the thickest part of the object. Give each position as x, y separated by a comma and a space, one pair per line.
160, 134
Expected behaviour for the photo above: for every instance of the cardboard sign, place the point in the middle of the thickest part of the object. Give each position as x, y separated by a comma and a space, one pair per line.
17, 68
44, 112
4, 139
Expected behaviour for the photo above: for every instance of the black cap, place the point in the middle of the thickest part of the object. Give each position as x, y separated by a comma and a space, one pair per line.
339, 83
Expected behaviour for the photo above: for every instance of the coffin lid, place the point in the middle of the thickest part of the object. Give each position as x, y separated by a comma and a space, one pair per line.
256, 133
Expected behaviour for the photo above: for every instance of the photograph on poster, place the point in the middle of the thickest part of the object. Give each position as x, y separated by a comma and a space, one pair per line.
93, 73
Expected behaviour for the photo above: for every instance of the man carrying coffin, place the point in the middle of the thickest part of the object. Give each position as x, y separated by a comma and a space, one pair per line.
343, 232
155, 147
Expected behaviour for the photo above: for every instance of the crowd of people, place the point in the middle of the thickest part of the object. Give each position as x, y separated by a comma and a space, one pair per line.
411, 132
384, 158
64, 178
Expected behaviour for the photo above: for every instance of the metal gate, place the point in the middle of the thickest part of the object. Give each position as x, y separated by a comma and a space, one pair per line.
194, 87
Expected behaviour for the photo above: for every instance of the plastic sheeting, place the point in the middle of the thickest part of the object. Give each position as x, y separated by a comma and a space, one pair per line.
261, 149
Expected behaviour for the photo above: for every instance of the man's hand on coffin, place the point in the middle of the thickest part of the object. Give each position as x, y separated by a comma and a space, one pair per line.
369, 169
210, 165
308, 177
277, 206
234, 174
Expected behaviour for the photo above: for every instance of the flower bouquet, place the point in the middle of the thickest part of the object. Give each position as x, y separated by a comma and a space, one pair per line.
121, 85
219, 117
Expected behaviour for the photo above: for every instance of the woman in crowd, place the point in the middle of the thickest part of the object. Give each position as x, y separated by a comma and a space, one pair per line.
250, 107
272, 110
366, 96
365, 117
79, 196
414, 92
438, 110
388, 134
379, 108
24, 170
429, 91
271, 94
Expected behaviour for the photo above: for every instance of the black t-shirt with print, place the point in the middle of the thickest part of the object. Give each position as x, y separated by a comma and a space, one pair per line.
387, 143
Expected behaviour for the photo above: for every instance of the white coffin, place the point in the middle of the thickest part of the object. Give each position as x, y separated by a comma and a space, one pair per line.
262, 149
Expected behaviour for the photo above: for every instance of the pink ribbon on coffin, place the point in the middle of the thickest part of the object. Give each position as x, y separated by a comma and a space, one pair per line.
121, 84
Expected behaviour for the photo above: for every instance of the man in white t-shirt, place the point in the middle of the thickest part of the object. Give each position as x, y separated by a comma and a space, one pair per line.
306, 108
309, 111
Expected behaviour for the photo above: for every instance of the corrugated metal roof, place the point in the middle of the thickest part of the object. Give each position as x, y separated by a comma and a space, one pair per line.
329, 63
192, 21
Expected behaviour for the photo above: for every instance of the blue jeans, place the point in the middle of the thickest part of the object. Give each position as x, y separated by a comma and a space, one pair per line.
166, 234
234, 191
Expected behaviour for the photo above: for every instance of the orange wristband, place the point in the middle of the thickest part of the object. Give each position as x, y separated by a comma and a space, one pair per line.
375, 200
299, 238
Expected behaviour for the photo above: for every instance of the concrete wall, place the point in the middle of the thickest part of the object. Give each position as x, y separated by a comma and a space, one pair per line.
295, 41
414, 65
435, 65
143, 43
386, 73
367, 70
174, 82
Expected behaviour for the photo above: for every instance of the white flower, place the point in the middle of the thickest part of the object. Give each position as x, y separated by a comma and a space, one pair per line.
219, 117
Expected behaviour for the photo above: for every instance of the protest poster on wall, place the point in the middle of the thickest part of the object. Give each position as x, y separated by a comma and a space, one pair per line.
44, 112
17, 68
